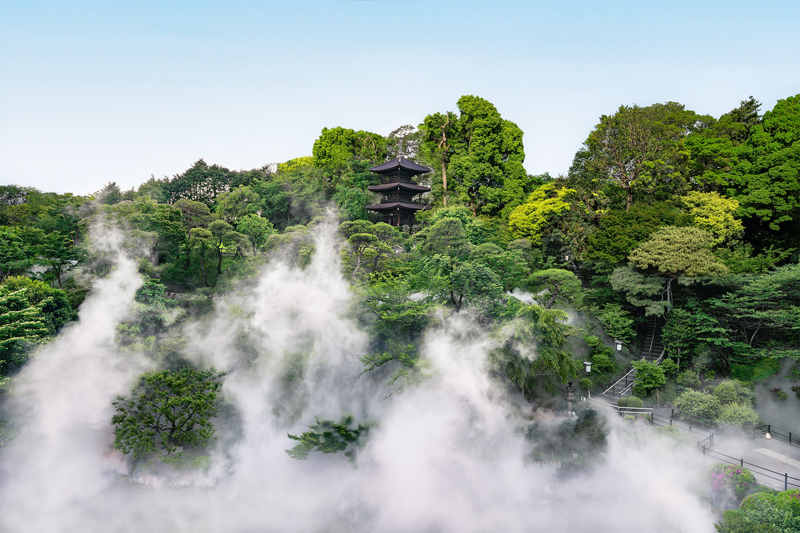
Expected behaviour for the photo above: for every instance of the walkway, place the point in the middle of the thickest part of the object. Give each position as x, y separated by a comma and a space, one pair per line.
779, 461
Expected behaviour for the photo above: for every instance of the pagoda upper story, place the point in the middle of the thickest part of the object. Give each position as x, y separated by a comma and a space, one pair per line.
397, 191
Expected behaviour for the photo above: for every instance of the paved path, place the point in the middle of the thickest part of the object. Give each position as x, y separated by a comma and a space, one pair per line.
774, 457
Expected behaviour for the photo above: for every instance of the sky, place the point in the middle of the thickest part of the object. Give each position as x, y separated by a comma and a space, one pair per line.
92, 92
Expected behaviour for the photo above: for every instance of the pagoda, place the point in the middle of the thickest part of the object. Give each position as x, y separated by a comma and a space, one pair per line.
397, 191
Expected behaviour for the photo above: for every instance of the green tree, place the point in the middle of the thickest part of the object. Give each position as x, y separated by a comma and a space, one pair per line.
640, 149
59, 255
717, 151
257, 228
534, 328
20, 323
438, 131
219, 230
649, 377
713, 213
236, 204
641, 290
620, 232
200, 183
553, 284
543, 205
110, 194
193, 214
167, 410
335, 147
509, 265
486, 164
447, 237
702, 404
16, 256
617, 322
761, 304
768, 186
160, 224
53, 303
676, 252
366, 248
201, 239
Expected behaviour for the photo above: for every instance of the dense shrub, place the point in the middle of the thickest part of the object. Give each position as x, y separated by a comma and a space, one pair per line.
603, 362
688, 378
586, 383
732, 479
764, 513
670, 367
698, 403
738, 415
730, 392
649, 376
630, 401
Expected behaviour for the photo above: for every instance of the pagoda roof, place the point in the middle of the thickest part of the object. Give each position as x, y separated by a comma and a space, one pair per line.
400, 162
392, 205
399, 185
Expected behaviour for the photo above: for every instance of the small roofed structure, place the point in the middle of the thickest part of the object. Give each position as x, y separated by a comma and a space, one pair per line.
397, 191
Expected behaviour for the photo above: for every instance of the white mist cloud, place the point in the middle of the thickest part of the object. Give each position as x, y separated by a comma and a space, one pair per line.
446, 455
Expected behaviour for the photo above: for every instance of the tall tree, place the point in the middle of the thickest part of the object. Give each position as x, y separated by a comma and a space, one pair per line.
485, 155
640, 149
437, 143
675, 252
768, 188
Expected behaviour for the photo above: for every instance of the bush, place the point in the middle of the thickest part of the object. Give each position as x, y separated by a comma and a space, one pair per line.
738, 415
592, 341
617, 322
669, 366
729, 392
764, 512
789, 499
779, 394
603, 362
698, 403
586, 383
688, 378
732, 478
630, 401
710, 374
649, 376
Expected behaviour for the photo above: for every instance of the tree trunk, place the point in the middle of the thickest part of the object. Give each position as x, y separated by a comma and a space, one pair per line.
219, 261
444, 183
629, 202
203, 264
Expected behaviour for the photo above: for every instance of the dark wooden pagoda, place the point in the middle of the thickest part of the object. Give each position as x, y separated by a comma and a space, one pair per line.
397, 191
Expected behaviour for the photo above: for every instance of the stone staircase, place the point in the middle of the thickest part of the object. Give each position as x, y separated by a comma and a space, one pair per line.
653, 346
652, 351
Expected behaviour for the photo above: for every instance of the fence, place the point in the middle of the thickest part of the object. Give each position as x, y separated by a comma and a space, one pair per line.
621, 410
776, 433
658, 420
756, 469
707, 443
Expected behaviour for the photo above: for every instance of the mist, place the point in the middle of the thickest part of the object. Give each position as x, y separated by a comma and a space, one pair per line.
447, 454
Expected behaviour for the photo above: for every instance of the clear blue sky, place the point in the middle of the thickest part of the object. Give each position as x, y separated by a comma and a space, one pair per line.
102, 91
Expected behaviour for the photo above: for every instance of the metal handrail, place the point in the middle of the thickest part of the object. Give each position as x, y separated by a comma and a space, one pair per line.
629, 387
620, 379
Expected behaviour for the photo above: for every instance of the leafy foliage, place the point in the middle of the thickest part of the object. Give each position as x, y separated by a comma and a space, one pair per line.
167, 410
649, 376
327, 436
699, 404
